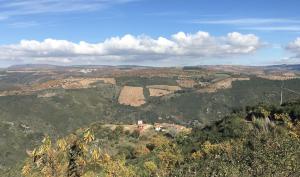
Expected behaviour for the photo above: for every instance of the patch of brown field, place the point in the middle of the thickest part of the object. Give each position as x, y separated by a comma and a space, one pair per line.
109, 80
4, 93
149, 127
186, 83
164, 87
132, 96
46, 95
284, 76
159, 92
77, 83
15, 92
207, 90
223, 84
71, 83
148, 72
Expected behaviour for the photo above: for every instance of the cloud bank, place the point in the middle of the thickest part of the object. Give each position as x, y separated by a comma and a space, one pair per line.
133, 48
294, 47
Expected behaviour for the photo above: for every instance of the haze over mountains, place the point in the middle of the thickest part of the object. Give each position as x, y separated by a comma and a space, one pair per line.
49, 66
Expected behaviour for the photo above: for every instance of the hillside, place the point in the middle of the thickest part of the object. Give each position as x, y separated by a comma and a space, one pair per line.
264, 140
38, 103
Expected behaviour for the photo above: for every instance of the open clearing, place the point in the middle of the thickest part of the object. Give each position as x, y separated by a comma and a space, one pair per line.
186, 83
132, 96
158, 92
70, 83
223, 84
165, 87
280, 77
73, 83
161, 90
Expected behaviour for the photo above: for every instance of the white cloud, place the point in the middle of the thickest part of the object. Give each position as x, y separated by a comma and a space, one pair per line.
294, 47
10, 8
273, 28
257, 24
294, 53
247, 21
130, 48
23, 24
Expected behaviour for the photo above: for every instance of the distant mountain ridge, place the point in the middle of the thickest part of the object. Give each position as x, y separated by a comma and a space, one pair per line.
293, 67
53, 67
34, 66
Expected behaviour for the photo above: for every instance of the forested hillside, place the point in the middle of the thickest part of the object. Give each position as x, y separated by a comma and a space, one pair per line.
263, 140
27, 118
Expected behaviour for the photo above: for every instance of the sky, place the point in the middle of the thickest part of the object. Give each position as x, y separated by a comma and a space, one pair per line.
149, 32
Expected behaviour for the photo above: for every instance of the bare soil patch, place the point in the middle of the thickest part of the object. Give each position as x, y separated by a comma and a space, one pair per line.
132, 96
165, 87
159, 92
70, 83
186, 83
223, 84
284, 76
46, 95
73, 83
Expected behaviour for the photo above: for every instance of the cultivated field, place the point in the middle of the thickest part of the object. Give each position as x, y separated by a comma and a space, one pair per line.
159, 92
186, 83
132, 96
165, 87
70, 83
223, 84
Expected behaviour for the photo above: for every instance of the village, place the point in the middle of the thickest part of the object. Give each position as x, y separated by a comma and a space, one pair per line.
144, 128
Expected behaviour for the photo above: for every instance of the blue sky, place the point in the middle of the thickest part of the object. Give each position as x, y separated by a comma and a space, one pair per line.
242, 32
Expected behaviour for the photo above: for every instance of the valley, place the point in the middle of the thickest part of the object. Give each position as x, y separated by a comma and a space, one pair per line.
55, 101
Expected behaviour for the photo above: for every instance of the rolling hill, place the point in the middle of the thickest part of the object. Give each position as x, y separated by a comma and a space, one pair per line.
56, 111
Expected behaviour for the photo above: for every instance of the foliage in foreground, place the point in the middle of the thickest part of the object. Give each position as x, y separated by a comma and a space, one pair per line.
263, 141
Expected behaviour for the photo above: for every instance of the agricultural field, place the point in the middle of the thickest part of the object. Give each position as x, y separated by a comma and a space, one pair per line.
132, 96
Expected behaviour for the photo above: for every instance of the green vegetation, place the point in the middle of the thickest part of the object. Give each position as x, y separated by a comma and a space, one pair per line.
209, 107
144, 81
263, 140
26, 119
15, 80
